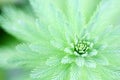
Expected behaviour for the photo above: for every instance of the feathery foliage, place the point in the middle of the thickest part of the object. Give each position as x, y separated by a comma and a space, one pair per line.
67, 39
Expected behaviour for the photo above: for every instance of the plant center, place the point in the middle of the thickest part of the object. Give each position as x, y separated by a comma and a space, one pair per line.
81, 47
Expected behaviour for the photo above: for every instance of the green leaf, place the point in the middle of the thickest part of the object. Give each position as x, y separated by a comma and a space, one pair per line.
75, 72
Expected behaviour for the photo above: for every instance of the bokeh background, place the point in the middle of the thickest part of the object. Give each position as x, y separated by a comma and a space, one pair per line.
7, 43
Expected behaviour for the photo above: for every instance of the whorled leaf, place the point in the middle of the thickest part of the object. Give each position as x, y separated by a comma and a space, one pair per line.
67, 40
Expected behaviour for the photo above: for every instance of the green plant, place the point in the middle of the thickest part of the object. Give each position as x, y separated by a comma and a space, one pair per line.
67, 40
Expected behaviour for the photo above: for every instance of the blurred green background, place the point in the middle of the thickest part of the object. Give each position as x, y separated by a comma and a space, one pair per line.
7, 43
